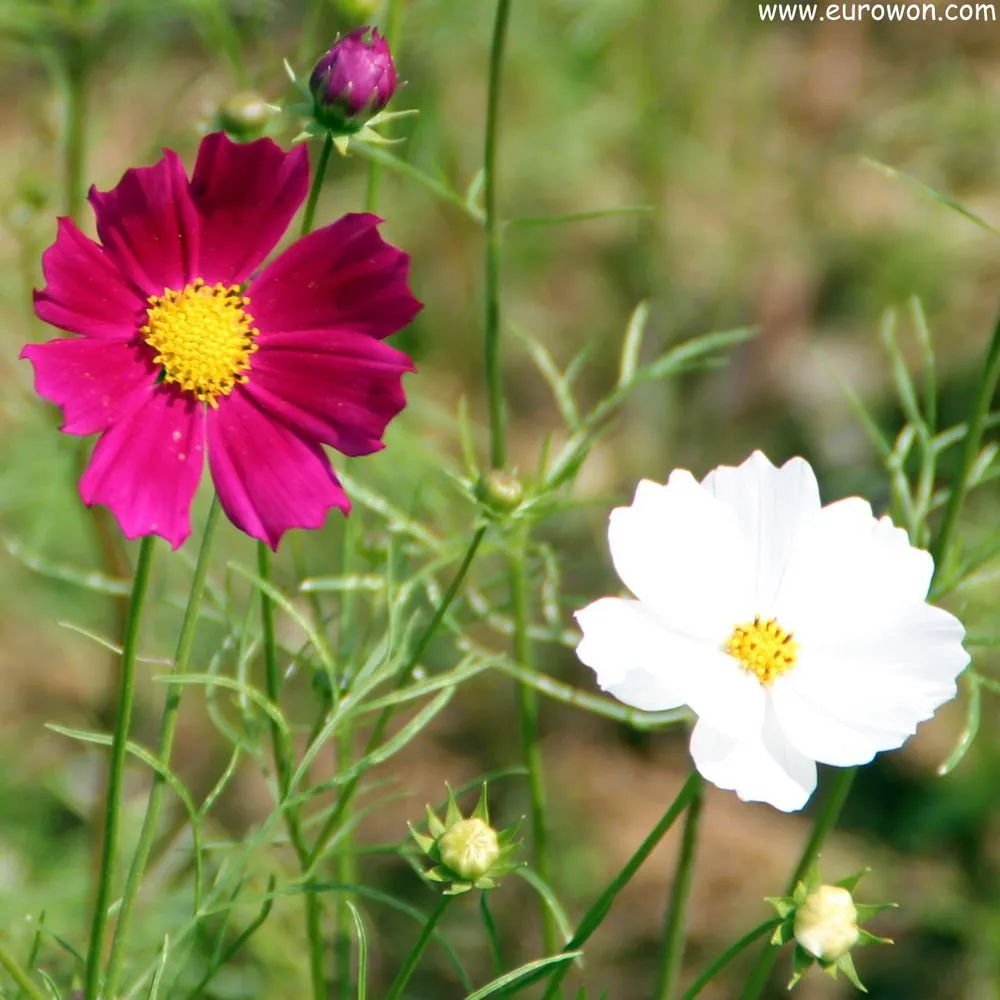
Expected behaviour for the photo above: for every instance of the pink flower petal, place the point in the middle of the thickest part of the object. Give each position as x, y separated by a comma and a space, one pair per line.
343, 275
334, 386
96, 382
146, 467
149, 225
246, 195
268, 478
85, 293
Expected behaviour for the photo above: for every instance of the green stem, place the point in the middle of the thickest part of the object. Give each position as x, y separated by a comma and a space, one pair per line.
672, 950
767, 927
392, 18
333, 822
317, 185
491, 328
311, 900
492, 933
283, 769
596, 914
989, 376
20, 976
116, 768
77, 73
527, 709
403, 977
825, 822
165, 743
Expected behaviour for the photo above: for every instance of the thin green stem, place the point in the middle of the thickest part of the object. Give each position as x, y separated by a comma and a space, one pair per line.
283, 770
393, 14
76, 71
311, 900
527, 710
596, 914
825, 821
309, 215
164, 747
767, 927
333, 821
492, 227
116, 769
403, 976
492, 933
344, 743
672, 949
20, 976
988, 378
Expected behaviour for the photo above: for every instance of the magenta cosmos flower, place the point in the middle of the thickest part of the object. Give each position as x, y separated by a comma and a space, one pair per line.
182, 348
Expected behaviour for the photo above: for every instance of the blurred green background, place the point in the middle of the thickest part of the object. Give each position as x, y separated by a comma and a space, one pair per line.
749, 141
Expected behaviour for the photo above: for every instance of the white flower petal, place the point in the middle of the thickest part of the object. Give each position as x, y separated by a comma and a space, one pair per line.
624, 646
844, 702
678, 550
761, 767
770, 506
849, 574
645, 665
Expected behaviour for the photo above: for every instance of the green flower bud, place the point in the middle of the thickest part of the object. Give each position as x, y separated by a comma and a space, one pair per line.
501, 491
469, 848
823, 922
826, 924
245, 115
466, 853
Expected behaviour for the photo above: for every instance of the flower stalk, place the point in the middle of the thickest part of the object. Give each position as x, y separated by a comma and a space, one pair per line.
492, 227
527, 710
675, 925
164, 748
19, 976
404, 974
116, 769
599, 910
826, 820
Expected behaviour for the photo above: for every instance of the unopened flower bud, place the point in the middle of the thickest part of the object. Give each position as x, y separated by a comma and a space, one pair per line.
469, 848
245, 115
358, 11
826, 924
353, 81
501, 491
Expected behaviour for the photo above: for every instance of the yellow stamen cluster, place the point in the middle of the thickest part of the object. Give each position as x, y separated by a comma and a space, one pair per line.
764, 648
203, 337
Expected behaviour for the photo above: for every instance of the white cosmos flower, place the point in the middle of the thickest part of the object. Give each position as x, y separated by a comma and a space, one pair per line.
795, 632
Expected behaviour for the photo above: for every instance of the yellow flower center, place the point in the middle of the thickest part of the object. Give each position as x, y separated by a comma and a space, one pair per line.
203, 337
763, 648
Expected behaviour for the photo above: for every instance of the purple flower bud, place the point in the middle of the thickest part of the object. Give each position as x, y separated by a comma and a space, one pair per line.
353, 81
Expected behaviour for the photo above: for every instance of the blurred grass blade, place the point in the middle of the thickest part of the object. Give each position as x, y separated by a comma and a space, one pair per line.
586, 216
359, 928
905, 389
971, 728
926, 343
875, 434
632, 344
928, 192
425, 180
548, 894
154, 989
522, 972
546, 365
277, 597
91, 580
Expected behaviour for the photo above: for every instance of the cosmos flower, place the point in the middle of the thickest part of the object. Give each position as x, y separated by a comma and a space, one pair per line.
796, 633
184, 347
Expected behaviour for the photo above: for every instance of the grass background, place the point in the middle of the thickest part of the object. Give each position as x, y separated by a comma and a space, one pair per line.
749, 142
